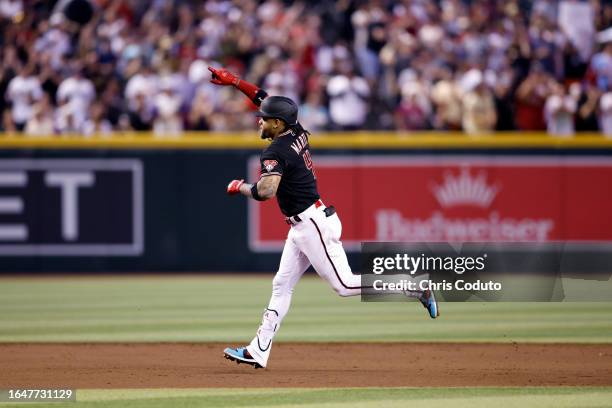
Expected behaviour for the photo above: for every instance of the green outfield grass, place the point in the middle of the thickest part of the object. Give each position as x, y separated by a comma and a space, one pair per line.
228, 308
347, 397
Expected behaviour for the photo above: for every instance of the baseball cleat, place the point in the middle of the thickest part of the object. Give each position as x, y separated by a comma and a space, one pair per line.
428, 300
240, 355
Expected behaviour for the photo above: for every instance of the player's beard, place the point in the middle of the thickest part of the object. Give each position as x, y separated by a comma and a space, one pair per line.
265, 134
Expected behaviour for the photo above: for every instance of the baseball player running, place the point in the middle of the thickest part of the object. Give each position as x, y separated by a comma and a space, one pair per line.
287, 173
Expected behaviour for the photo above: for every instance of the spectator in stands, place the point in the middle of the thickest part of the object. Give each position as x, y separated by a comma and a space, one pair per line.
601, 65
348, 98
559, 112
41, 122
167, 107
369, 23
128, 45
313, 113
283, 80
414, 108
199, 117
97, 124
142, 84
530, 99
50, 79
114, 104
65, 122
502, 88
140, 113
478, 104
448, 107
22, 93
53, 42
587, 105
605, 114
9, 66
11, 9
75, 94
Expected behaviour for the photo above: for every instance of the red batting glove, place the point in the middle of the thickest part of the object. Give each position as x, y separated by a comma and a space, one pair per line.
234, 187
223, 77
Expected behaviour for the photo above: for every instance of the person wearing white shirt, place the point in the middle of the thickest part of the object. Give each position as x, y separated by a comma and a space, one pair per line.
605, 114
559, 112
10, 9
144, 83
168, 121
348, 106
54, 41
77, 93
23, 92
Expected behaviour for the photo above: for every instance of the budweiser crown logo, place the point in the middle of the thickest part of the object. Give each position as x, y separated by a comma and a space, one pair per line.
465, 189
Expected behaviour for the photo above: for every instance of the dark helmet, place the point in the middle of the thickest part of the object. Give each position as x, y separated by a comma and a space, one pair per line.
279, 107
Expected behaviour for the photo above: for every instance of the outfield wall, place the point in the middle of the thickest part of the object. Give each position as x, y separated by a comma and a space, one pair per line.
137, 203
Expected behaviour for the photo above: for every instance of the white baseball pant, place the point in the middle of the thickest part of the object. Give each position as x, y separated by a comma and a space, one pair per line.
314, 240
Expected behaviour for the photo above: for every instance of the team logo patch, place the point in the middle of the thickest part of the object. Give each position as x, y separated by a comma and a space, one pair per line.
269, 165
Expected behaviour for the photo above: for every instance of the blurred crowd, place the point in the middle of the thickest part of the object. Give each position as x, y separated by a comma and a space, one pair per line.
88, 67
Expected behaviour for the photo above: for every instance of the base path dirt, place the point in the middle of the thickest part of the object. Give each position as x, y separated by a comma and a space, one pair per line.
170, 365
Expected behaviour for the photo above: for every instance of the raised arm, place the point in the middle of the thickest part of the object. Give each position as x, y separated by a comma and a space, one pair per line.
221, 76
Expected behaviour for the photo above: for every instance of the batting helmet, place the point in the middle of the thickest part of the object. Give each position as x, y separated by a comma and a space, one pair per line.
279, 107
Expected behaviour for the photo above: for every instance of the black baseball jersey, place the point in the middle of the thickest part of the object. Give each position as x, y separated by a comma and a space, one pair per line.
289, 156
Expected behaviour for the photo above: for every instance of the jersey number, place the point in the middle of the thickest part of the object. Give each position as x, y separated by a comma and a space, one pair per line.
308, 160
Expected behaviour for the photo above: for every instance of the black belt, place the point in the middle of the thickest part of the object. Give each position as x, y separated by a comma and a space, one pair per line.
293, 220
329, 211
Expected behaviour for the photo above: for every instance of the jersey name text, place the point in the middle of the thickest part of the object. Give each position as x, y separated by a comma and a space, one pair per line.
299, 143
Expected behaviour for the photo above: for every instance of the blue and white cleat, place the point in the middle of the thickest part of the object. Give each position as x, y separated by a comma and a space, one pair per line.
428, 300
240, 355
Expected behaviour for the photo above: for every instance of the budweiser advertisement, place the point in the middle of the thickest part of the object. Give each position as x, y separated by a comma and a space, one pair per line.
455, 199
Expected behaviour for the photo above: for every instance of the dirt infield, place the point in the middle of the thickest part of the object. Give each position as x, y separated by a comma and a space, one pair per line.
169, 365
